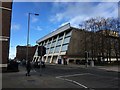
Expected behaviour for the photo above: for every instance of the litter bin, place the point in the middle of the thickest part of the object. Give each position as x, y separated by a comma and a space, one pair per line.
92, 63
59, 61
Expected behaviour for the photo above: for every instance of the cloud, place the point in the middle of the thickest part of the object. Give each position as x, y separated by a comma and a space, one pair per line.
63, 24
107, 9
58, 17
34, 19
15, 26
12, 54
77, 20
75, 13
38, 28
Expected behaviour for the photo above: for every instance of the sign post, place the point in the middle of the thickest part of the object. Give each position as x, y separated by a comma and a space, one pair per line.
41, 52
86, 58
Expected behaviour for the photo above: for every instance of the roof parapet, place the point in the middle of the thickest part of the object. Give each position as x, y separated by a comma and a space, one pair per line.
59, 30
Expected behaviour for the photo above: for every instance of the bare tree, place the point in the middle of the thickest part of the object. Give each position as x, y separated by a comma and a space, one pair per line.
107, 27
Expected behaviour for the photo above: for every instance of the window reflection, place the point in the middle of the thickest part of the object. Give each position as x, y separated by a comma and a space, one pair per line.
57, 49
64, 47
66, 40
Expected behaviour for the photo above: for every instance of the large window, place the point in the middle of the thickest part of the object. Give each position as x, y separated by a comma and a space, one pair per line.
47, 51
68, 34
49, 42
60, 37
40, 44
66, 40
57, 49
59, 42
53, 44
45, 45
54, 39
51, 50
64, 47
48, 45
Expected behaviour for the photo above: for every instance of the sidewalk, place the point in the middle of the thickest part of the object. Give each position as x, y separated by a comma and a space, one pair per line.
115, 68
110, 68
19, 80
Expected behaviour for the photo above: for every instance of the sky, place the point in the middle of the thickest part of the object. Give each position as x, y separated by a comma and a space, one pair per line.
52, 15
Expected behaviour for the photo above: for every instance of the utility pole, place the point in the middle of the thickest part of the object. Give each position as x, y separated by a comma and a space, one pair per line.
28, 34
41, 62
41, 52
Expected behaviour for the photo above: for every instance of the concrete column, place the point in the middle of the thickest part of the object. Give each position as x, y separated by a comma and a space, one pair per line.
61, 46
47, 53
55, 45
62, 42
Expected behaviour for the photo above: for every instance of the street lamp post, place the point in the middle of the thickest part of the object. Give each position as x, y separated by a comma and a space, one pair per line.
28, 32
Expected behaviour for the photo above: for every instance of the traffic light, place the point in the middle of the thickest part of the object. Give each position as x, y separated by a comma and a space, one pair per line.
41, 50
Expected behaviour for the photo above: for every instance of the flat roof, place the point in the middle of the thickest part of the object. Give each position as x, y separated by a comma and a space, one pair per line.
59, 30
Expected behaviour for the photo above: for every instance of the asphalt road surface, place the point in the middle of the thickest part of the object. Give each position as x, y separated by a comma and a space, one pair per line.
83, 77
63, 76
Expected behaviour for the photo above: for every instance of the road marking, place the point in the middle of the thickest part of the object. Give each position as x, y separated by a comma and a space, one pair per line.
80, 84
75, 82
73, 75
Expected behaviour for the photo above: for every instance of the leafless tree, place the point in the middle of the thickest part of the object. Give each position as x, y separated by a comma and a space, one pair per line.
106, 42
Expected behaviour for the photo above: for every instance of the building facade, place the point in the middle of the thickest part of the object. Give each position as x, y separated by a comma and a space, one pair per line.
71, 44
21, 52
5, 24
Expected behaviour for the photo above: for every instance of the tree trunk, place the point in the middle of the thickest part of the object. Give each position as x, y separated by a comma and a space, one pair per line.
110, 49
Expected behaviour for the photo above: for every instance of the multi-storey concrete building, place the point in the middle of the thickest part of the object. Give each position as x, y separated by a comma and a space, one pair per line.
5, 24
72, 44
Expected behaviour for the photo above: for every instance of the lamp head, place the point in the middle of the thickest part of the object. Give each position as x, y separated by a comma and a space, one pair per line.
36, 14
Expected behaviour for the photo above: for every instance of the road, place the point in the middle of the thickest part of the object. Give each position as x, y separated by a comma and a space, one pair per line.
63, 76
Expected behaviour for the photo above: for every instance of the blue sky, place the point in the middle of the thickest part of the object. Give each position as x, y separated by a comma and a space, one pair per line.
51, 16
